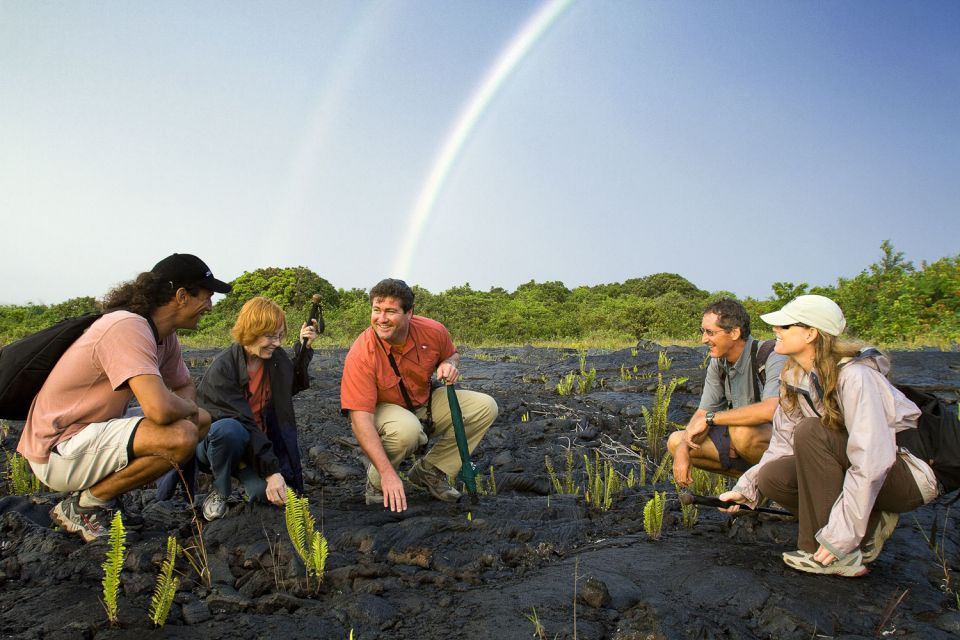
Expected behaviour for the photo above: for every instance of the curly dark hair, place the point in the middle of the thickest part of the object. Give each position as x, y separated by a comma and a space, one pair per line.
143, 295
731, 314
393, 288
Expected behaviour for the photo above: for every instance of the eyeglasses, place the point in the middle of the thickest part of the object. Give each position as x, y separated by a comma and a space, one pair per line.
784, 327
712, 332
275, 337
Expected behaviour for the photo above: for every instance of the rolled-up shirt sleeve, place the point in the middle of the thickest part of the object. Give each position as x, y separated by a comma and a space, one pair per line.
714, 397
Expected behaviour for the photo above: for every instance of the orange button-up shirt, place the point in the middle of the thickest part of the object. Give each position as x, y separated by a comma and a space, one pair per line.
369, 379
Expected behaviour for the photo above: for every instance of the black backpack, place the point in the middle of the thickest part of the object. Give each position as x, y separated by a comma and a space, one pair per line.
936, 440
26, 363
759, 353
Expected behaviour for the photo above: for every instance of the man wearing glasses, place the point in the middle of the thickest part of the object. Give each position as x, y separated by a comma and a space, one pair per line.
731, 429
386, 390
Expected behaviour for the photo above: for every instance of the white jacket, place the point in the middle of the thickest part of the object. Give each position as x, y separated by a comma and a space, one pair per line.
874, 411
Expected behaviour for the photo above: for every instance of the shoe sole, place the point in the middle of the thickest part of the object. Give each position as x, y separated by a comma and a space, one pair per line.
65, 523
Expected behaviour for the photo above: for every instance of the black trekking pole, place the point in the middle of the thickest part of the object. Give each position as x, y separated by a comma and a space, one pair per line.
710, 501
468, 472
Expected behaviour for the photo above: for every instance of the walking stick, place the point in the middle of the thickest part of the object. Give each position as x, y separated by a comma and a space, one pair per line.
710, 501
468, 472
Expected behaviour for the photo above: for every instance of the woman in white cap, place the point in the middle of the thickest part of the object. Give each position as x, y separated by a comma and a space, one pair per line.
833, 458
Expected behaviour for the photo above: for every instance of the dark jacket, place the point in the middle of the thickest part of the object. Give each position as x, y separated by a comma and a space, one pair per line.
222, 392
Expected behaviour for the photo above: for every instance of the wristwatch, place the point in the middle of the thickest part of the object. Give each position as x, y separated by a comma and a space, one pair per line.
710, 416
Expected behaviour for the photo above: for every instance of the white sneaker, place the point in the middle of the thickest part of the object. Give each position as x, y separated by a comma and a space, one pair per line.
849, 567
214, 506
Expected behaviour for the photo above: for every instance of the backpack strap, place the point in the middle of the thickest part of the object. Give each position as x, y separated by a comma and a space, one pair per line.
760, 354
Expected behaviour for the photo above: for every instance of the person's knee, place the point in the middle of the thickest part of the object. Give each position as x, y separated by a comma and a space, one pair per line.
402, 434
180, 439
483, 410
228, 433
806, 431
673, 441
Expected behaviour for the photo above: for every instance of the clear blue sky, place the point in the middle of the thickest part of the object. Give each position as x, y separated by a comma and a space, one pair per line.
734, 143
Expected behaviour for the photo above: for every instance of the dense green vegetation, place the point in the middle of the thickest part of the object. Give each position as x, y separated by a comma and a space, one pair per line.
891, 302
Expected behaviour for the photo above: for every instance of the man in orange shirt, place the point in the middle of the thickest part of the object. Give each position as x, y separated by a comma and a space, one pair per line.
386, 390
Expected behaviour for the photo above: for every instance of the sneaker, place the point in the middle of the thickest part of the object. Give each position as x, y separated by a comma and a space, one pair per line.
214, 506
92, 523
849, 567
870, 548
372, 494
434, 481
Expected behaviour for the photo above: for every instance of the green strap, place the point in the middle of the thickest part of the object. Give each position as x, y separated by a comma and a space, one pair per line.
468, 472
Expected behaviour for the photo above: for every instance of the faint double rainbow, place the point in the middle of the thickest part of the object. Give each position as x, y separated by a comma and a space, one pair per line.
506, 63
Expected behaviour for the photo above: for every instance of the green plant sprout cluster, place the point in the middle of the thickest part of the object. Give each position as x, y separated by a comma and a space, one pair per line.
309, 543
653, 514
583, 381
656, 421
19, 477
112, 566
603, 483
167, 585
567, 485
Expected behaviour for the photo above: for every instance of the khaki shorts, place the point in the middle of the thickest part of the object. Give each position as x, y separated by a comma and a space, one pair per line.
95, 452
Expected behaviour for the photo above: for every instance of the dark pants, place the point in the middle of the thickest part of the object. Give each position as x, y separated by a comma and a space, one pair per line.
222, 452
809, 482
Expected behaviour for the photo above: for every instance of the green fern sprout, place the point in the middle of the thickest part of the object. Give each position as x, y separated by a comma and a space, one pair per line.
309, 544
664, 362
552, 474
656, 421
653, 514
20, 478
634, 352
167, 584
603, 483
567, 485
661, 471
565, 386
632, 479
112, 566
625, 374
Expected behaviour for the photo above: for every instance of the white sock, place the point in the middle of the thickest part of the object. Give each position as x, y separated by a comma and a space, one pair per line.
87, 499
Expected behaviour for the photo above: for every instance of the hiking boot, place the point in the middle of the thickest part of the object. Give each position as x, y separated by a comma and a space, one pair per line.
92, 523
871, 547
372, 494
214, 506
849, 567
434, 481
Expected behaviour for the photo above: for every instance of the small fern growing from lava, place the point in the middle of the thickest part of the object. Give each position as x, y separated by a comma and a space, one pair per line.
112, 566
166, 587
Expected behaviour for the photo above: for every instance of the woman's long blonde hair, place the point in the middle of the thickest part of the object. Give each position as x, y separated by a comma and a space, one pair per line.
829, 351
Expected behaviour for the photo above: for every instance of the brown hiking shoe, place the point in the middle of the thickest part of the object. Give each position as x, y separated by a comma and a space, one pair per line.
433, 480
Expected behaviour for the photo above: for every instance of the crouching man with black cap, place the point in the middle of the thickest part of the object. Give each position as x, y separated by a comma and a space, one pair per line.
76, 437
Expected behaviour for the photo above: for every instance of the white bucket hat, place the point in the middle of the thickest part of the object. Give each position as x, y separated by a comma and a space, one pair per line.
814, 311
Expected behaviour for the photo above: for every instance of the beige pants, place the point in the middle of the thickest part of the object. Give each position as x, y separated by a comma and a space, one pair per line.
401, 432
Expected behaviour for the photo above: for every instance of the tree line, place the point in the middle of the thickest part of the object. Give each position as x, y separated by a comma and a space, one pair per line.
890, 303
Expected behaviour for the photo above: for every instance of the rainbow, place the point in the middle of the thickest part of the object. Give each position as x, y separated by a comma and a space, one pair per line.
506, 63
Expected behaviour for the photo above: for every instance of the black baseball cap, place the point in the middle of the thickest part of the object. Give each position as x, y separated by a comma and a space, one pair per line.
183, 269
